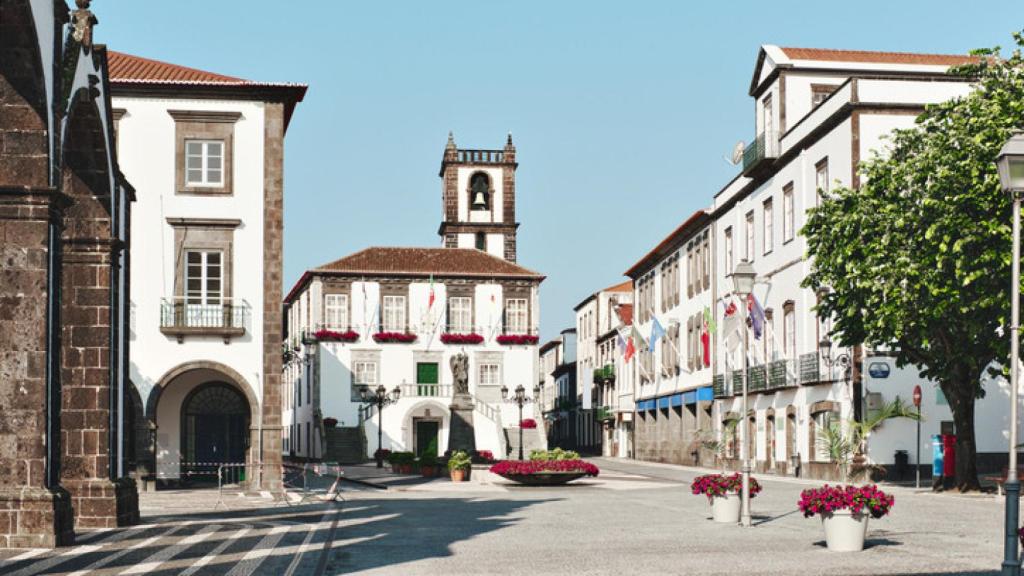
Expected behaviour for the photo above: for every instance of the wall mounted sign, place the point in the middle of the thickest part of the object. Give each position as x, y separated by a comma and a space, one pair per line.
879, 369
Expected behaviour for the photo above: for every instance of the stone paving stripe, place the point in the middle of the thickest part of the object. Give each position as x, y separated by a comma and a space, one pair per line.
252, 560
216, 551
123, 551
304, 547
47, 563
156, 560
321, 564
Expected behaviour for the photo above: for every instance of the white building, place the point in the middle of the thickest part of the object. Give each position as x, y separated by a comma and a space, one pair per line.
397, 316
597, 325
205, 153
818, 114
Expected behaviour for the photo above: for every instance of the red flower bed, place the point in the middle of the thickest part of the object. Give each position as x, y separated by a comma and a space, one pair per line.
856, 499
516, 339
713, 485
451, 338
332, 336
485, 455
527, 467
528, 423
401, 337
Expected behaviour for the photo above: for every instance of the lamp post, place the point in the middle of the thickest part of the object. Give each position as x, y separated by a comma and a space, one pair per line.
1011, 176
519, 399
843, 360
380, 399
743, 285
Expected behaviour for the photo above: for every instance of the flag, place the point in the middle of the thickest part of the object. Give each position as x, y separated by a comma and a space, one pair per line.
630, 351
709, 320
639, 341
621, 343
731, 321
430, 300
756, 316
705, 339
656, 332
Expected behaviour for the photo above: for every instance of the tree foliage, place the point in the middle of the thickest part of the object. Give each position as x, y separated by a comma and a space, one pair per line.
918, 257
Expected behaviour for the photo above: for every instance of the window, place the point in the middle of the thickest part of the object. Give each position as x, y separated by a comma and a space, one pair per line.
336, 311
203, 277
480, 192
822, 422
460, 315
789, 330
481, 241
768, 226
821, 178
204, 163
819, 92
707, 260
489, 375
516, 317
394, 314
748, 254
364, 375
787, 212
690, 271
768, 117
769, 340
728, 250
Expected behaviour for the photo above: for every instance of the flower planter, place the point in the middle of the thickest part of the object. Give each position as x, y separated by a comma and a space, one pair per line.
844, 530
405, 468
428, 471
332, 336
544, 478
726, 508
456, 338
516, 339
394, 337
459, 475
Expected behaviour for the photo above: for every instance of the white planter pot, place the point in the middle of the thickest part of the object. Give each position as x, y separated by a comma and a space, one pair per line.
844, 531
726, 509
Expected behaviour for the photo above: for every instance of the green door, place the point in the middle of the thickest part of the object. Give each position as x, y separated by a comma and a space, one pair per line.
426, 432
426, 378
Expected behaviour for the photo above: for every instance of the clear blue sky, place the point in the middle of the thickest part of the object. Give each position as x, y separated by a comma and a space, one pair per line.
621, 112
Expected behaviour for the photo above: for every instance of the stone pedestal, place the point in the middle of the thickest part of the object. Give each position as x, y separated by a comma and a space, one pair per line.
461, 435
102, 503
33, 517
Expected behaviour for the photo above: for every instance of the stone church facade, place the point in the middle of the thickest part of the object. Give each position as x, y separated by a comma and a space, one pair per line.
64, 216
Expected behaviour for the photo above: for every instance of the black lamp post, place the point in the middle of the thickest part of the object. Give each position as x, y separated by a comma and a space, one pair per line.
843, 360
519, 399
380, 399
1010, 163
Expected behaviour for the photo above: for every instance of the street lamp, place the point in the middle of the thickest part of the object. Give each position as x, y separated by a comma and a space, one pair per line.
743, 285
519, 399
380, 399
1011, 176
842, 360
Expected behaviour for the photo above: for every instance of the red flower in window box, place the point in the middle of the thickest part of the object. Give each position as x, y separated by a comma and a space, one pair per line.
399, 337
332, 336
330, 422
453, 338
516, 339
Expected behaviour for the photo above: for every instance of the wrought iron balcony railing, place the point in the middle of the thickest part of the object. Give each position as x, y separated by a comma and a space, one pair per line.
604, 373
760, 152
182, 316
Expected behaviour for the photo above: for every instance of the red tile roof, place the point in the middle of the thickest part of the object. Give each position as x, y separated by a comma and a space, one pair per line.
626, 314
670, 243
626, 286
877, 57
129, 69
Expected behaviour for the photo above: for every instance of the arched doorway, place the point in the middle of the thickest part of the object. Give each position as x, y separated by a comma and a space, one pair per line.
214, 427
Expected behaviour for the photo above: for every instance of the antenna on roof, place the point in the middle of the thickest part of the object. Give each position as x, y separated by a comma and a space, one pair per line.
737, 153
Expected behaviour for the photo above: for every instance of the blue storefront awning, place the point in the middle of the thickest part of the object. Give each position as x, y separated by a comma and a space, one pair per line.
676, 400
663, 402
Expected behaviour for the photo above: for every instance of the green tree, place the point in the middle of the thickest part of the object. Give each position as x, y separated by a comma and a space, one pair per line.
918, 258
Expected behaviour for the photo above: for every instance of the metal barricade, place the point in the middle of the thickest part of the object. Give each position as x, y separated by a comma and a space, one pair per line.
312, 481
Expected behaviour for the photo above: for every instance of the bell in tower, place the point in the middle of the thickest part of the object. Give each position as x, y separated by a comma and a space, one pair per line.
480, 192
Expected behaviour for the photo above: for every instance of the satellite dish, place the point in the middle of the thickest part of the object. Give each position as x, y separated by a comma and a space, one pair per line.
737, 153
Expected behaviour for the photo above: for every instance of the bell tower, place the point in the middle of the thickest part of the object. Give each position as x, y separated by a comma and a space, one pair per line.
479, 195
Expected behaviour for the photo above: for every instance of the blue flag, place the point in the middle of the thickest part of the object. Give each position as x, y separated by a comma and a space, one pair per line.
756, 316
656, 332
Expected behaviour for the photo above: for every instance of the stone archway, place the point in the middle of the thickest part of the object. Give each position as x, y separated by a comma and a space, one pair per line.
166, 415
414, 424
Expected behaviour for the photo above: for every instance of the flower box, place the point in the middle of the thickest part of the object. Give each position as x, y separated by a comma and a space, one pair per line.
516, 339
543, 472
528, 424
454, 338
844, 512
724, 494
330, 422
332, 336
396, 337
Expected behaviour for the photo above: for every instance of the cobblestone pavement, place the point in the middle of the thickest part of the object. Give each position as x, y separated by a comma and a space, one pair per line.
635, 518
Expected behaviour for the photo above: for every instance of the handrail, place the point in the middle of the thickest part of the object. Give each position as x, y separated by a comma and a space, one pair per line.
179, 312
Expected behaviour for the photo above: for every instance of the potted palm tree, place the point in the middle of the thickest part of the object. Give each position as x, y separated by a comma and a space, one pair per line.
459, 466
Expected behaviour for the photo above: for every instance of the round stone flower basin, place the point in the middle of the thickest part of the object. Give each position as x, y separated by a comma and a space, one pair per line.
544, 478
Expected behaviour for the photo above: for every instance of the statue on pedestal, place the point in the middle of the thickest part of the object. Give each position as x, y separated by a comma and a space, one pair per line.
461, 435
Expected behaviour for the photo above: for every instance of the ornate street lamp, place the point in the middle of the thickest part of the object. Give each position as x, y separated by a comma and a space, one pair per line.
743, 285
1010, 163
519, 399
380, 399
843, 360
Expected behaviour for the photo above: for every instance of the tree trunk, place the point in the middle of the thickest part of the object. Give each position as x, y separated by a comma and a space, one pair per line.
961, 403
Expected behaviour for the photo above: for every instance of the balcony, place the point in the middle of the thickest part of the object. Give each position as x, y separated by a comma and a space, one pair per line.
426, 390
810, 368
604, 374
228, 319
781, 374
604, 414
760, 154
758, 381
718, 386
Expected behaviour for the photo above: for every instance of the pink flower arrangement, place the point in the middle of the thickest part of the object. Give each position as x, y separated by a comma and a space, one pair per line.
485, 455
713, 485
401, 337
453, 338
516, 339
528, 467
857, 499
528, 423
332, 336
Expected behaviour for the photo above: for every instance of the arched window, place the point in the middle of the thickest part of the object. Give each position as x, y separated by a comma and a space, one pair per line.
481, 241
479, 192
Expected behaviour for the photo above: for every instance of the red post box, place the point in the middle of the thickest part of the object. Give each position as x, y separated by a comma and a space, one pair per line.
949, 455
